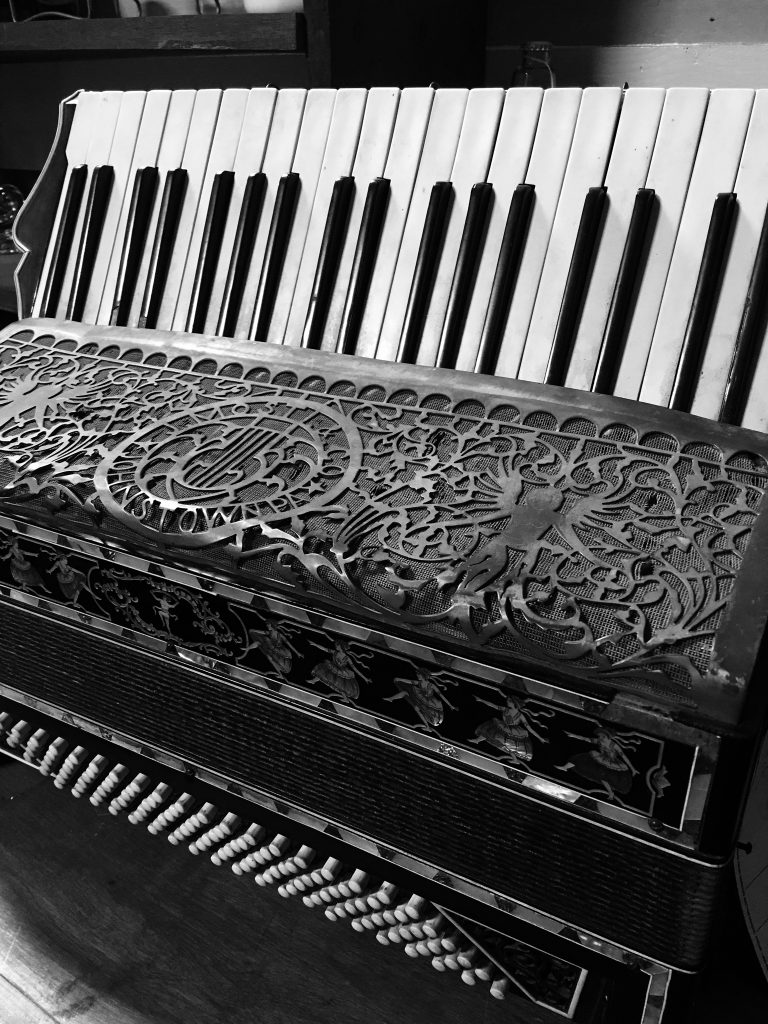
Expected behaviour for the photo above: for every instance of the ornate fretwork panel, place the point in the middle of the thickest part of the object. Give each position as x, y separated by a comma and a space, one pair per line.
487, 518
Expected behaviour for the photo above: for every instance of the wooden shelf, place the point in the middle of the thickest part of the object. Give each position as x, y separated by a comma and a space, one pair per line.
223, 33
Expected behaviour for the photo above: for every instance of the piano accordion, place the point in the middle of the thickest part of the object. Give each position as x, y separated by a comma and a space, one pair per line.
469, 659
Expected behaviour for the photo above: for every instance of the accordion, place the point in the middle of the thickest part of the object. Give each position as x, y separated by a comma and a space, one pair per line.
471, 658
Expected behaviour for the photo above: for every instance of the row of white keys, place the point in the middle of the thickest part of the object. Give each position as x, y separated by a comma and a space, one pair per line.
587, 164
120, 159
150, 132
84, 118
752, 191
307, 163
669, 175
221, 158
381, 109
170, 158
249, 160
104, 112
509, 165
197, 147
440, 145
338, 160
715, 169
546, 171
470, 167
627, 172
401, 168
278, 160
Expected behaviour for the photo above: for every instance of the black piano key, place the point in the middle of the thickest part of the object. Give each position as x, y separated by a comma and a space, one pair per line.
328, 263
704, 300
366, 251
95, 211
427, 260
576, 285
277, 246
171, 204
624, 293
242, 251
470, 251
749, 336
139, 213
210, 249
64, 238
505, 278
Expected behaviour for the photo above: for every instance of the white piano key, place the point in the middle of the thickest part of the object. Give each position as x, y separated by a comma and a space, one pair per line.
202, 127
470, 166
84, 121
104, 113
587, 163
413, 115
370, 158
226, 136
170, 156
145, 153
509, 164
120, 160
546, 170
248, 160
714, 171
627, 172
437, 158
278, 158
307, 163
343, 136
752, 190
669, 174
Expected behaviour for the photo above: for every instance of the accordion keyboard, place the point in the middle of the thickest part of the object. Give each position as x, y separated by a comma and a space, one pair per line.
573, 237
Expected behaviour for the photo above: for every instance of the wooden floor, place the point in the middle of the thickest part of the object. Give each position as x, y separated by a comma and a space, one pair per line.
100, 923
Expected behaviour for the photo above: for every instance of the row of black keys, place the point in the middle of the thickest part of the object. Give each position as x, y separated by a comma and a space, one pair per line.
630, 270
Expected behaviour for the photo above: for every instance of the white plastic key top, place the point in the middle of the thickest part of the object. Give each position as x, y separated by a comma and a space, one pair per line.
509, 164
370, 158
546, 170
340, 149
307, 163
278, 158
470, 166
84, 122
170, 156
669, 175
249, 159
437, 159
717, 161
202, 126
104, 111
627, 172
145, 154
120, 160
751, 188
226, 136
413, 115
587, 163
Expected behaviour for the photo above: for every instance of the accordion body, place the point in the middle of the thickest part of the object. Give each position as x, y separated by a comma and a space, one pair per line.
488, 641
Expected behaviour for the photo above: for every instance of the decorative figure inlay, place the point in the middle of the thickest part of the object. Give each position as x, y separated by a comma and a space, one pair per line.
511, 731
525, 734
